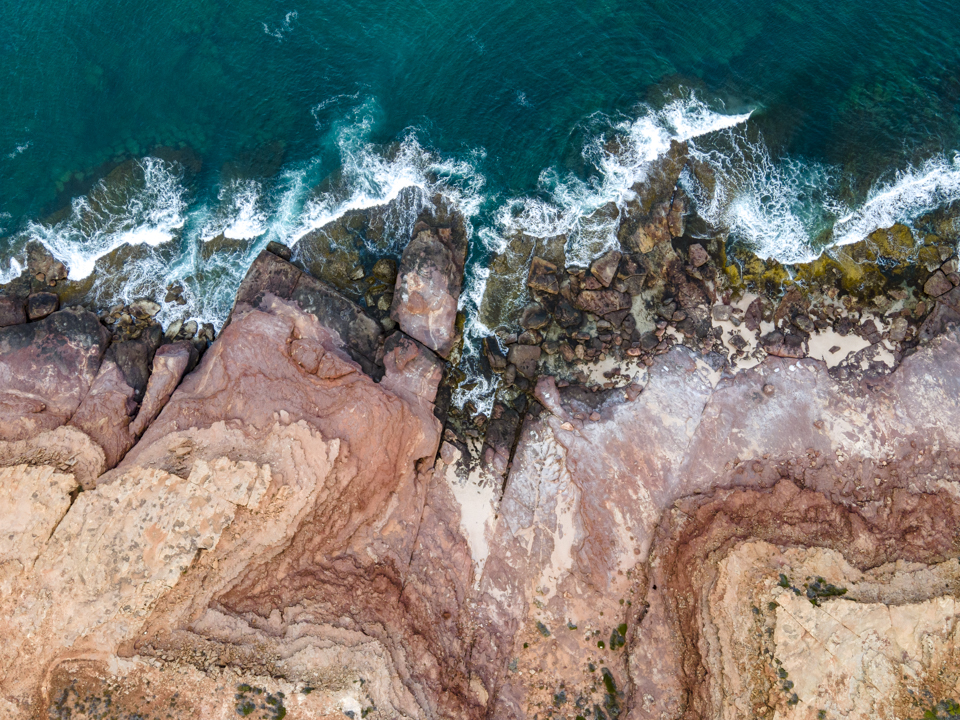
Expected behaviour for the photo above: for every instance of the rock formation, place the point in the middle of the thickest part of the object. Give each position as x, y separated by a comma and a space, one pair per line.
297, 527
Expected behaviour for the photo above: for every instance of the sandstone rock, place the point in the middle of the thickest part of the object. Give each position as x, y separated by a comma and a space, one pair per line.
428, 288
280, 250
534, 317
698, 256
41, 304
543, 276
604, 268
411, 370
385, 269
937, 284
355, 331
12, 311
601, 302
46, 369
525, 358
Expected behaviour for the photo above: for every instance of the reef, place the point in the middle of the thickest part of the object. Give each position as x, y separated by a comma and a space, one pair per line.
708, 486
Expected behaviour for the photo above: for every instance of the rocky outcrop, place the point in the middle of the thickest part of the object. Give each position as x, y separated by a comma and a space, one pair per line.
289, 529
428, 287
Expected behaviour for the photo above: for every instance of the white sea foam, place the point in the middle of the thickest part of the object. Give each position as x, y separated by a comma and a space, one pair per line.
147, 208
284, 29
911, 192
12, 272
567, 204
20, 149
240, 214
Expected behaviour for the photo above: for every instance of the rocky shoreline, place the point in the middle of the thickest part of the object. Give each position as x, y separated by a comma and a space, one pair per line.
708, 486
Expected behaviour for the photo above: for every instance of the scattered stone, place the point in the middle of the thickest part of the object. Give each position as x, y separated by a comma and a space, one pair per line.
604, 268
534, 317
722, 313
144, 308
937, 284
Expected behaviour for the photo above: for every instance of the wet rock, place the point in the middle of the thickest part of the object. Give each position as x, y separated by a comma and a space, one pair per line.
12, 311
280, 250
754, 315
937, 284
534, 317
495, 356
525, 358
41, 304
543, 276
144, 308
530, 337
604, 268
385, 270
428, 288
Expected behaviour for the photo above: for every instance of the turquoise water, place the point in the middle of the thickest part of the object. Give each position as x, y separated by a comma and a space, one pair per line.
824, 120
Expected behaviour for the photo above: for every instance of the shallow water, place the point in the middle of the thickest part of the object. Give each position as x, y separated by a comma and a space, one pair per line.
823, 120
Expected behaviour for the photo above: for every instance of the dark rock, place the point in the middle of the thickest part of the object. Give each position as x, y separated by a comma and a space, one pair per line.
530, 337
534, 317
354, 330
41, 304
804, 323
134, 358
385, 270
495, 356
543, 276
754, 315
604, 268
698, 256
785, 346
12, 311
269, 274
601, 302
428, 289
567, 315
525, 357
617, 318
500, 439
567, 352
280, 250
937, 284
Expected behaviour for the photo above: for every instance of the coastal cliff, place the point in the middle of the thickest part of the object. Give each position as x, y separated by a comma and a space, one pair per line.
708, 486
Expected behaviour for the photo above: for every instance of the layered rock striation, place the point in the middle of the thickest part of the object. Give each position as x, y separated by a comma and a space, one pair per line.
294, 525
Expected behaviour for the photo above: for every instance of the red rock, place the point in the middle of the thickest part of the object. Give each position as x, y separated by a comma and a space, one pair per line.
937, 284
601, 302
46, 369
427, 292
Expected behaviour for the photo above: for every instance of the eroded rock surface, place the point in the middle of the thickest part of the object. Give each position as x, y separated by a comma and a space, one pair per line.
288, 529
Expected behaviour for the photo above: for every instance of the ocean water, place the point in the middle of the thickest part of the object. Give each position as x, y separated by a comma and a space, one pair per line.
823, 121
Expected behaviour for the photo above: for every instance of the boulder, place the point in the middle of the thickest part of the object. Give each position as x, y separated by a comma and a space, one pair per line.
698, 256
543, 276
601, 302
937, 284
411, 370
525, 357
355, 331
41, 304
534, 317
428, 290
604, 268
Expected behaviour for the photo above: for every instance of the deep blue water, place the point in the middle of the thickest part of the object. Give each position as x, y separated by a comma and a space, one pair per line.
854, 119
